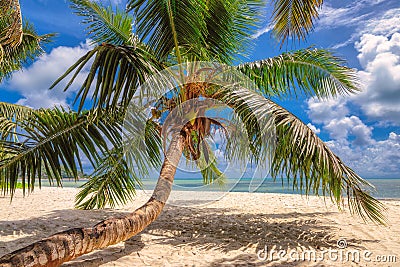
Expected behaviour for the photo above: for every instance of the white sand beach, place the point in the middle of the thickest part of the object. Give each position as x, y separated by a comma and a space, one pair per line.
228, 232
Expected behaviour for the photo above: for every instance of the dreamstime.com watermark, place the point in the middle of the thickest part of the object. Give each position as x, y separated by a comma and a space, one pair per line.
339, 254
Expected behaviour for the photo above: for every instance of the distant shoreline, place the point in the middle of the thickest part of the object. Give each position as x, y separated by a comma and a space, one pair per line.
388, 188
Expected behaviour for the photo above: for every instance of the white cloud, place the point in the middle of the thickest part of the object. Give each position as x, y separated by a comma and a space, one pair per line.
327, 110
333, 114
330, 17
356, 14
314, 128
345, 43
386, 24
380, 56
341, 129
262, 31
379, 159
364, 16
352, 140
377, 40
33, 82
378, 45
368, 47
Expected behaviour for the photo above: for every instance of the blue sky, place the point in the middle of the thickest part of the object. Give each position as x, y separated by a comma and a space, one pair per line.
363, 129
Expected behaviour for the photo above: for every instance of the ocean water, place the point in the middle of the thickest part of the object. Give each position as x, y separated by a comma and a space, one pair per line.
385, 188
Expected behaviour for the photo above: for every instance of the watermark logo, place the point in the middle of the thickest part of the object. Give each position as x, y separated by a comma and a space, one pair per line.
340, 254
341, 243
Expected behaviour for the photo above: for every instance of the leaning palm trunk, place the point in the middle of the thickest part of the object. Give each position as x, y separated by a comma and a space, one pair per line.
70, 244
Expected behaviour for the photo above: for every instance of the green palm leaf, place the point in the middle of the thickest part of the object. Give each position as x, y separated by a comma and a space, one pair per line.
10, 114
230, 25
14, 111
170, 24
300, 153
113, 182
302, 157
208, 165
294, 18
116, 72
43, 145
313, 72
203, 30
105, 24
120, 170
30, 47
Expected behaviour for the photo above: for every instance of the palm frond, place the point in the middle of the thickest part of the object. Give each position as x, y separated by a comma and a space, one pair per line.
313, 72
301, 154
105, 25
52, 139
1, 53
294, 18
230, 25
113, 182
302, 157
153, 146
142, 142
14, 111
30, 47
208, 166
116, 72
10, 115
169, 24
119, 171
202, 30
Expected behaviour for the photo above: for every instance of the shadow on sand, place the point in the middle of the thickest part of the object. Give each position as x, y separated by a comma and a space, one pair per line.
206, 228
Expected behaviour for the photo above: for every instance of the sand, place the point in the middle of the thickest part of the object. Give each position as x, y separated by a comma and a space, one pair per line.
227, 232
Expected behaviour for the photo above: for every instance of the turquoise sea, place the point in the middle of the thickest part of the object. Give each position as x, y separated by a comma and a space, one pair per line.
385, 188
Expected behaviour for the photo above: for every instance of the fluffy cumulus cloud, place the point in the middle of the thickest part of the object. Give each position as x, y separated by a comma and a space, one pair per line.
335, 117
33, 82
343, 128
377, 42
323, 111
352, 140
380, 159
380, 57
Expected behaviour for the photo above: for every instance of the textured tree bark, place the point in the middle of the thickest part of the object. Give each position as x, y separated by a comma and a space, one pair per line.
70, 244
12, 36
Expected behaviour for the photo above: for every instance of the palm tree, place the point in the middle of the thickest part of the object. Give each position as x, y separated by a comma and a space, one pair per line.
168, 33
19, 43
